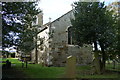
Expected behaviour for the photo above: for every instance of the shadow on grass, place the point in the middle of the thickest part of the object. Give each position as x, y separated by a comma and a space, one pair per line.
36, 71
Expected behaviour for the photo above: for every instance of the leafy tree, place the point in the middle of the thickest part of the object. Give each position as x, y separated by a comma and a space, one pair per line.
17, 19
93, 24
114, 49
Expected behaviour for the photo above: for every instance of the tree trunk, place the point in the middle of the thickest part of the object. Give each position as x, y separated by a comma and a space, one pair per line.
22, 64
97, 63
113, 64
26, 64
7, 54
36, 54
103, 57
97, 59
108, 61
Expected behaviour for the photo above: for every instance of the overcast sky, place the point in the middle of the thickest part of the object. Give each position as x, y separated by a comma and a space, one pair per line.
55, 8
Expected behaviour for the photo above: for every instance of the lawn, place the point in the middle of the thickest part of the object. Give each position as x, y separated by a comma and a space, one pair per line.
84, 72
37, 71
44, 72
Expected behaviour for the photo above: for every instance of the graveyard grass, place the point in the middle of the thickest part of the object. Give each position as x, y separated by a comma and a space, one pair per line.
37, 71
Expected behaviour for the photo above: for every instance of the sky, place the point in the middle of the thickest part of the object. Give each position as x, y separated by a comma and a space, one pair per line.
55, 8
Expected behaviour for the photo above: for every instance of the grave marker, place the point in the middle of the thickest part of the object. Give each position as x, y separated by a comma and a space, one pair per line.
71, 67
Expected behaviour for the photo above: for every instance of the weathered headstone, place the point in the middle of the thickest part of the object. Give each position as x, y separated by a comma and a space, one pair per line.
71, 67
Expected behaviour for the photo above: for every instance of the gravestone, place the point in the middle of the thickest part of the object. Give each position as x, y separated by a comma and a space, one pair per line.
71, 67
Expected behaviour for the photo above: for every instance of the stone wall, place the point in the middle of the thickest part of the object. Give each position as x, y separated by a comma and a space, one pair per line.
82, 54
43, 49
60, 49
56, 47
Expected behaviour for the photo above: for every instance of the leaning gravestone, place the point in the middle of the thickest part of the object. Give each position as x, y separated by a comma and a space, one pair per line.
71, 67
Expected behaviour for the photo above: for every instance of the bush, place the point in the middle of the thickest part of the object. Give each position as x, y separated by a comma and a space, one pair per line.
13, 55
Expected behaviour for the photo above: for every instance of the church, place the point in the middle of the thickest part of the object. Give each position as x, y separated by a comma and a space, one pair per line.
56, 43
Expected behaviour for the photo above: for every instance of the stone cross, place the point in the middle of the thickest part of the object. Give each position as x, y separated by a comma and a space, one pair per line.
71, 67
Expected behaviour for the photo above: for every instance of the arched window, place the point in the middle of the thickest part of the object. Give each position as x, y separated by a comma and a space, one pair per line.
69, 35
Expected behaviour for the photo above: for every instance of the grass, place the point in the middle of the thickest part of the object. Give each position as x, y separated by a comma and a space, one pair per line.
110, 67
37, 71
43, 72
110, 72
84, 67
99, 76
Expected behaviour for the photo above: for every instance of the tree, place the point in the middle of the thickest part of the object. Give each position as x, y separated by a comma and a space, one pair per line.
93, 25
114, 49
17, 19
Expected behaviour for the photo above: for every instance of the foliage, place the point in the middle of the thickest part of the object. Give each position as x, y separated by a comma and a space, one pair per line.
94, 24
17, 19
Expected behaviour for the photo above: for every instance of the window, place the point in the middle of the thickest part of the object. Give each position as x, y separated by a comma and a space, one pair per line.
69, 35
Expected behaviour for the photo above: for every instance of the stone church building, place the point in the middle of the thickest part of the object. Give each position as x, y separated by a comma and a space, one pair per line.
57, 43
